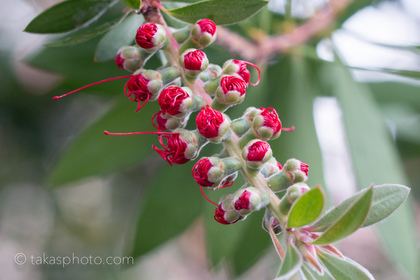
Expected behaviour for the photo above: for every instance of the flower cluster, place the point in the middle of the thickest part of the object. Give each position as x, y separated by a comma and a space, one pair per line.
192, 84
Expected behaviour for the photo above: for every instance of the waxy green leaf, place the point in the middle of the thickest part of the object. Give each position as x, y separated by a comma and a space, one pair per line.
344, 269
371, 145
68, 15
219, 11
310, 274
121, 35
386, 199
306, 209
133, 4
349, 221
80, 37
291, 264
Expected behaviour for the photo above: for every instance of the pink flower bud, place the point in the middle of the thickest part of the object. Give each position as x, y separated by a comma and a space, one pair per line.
181, 146
144, 85
194, 62
299, 170
212, 124
267, 125
203, 33
167, 122
176, 101
225, 213
150, 36
295, 191
256, 153
207, 172
238, 67
231, 90
128, 58
249, 199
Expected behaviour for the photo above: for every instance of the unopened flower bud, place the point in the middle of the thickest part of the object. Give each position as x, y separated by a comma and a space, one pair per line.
248, 200
181, 146
212, 71
176, 101
270, 221
256, 153
212, 124
167, 122
225, 213
214, 172
194, 62
242, 125
293, 193
271, 167
203, 33
231, 90
129, 58
233, 66
151, 36
293, 171
266, 124
144, 85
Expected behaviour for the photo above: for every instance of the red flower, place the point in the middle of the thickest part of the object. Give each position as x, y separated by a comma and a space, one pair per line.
171, 99
145, 35
243, 201
257, 151
220, 216
232, 83
119, 61
208, 122
174, 150
136, 88
200, 172
271, 119
193, 60
207, 26
304, 168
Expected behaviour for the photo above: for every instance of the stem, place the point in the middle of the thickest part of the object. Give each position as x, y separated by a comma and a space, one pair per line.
231, 145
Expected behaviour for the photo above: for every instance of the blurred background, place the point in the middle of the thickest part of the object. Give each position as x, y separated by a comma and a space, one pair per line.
67, 190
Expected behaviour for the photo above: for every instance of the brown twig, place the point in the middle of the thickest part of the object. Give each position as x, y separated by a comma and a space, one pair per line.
261, 51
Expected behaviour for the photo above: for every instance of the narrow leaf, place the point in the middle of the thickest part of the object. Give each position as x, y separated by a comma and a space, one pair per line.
344, 269
349, 221
169, 208
376, 159
68, 15
291, 264
219, 11
121, 35
133, 4
310, 274
386, 199
93, 153
306, 209
80, 37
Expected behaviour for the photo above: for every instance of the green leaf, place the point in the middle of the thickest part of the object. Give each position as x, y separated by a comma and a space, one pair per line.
80, 37
349, 221
291, 264
68, 15
93, 153
133, 4
169, 208
306, 209
310, 274
344, 269
293, 84
219, 11
121, 35
386, 199
375, 159
399, 72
